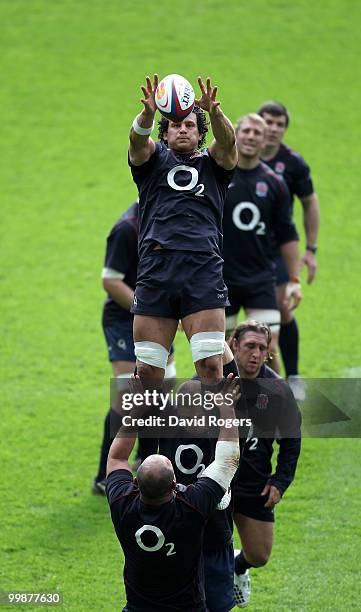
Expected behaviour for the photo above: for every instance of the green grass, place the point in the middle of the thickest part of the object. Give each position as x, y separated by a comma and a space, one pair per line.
71, 73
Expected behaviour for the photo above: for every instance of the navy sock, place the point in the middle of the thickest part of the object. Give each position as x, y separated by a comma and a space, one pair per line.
241, 564
288, 343
104, 449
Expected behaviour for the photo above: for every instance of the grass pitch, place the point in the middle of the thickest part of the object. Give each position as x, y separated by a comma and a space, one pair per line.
71, 73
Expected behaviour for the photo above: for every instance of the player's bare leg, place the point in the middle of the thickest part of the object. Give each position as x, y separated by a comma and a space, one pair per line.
123, 367
286, 314
256, 539
209, 368
153, 337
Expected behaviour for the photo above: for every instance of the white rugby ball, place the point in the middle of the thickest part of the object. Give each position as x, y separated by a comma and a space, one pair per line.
174, 97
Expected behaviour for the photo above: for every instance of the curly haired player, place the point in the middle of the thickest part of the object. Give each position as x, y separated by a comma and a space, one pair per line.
182, 189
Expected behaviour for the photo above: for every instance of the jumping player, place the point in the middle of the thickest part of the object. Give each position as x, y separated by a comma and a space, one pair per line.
182, 189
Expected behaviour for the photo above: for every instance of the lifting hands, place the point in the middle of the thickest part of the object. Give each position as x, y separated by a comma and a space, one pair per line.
223, 148
148, 99
208, 100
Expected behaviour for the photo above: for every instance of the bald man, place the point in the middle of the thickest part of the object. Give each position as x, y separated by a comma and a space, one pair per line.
160, 524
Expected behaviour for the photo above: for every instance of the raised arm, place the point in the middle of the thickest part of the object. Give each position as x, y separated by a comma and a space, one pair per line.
123, 444
119, 453
226, 460
141, 146
223, 148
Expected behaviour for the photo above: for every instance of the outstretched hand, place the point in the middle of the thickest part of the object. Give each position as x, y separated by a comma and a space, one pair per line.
137, 389
208, 99
149, 90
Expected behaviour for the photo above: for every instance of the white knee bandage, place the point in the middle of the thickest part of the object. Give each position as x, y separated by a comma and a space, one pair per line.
271, 317
152, 353
206, 344
225, 463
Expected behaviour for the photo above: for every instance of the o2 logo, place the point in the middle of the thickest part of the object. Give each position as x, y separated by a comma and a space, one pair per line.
198, 459
193, 180
254, 221
159, 543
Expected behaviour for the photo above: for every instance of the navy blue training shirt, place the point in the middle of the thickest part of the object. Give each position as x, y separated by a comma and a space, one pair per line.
122, 255
181, 198
257, 213
294, 170
162, 544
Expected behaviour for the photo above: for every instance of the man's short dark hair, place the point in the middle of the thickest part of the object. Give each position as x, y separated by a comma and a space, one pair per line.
156, 482
202, 125
276, 109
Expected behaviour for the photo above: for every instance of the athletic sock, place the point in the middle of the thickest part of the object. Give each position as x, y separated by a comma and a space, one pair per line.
241, 564
288, 342
104, 449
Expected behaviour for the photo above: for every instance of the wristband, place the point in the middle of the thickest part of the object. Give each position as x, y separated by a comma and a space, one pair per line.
295, 279
311, 248
141, 130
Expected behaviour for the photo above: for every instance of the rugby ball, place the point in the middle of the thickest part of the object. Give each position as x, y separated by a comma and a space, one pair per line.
174, 97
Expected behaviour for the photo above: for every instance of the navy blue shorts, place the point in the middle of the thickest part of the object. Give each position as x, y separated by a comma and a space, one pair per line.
259, 295
253, 507
281, 272
119, 339
174, 284
218, 578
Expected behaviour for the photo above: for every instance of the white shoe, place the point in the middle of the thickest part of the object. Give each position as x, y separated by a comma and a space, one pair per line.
242, 587
298, 387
